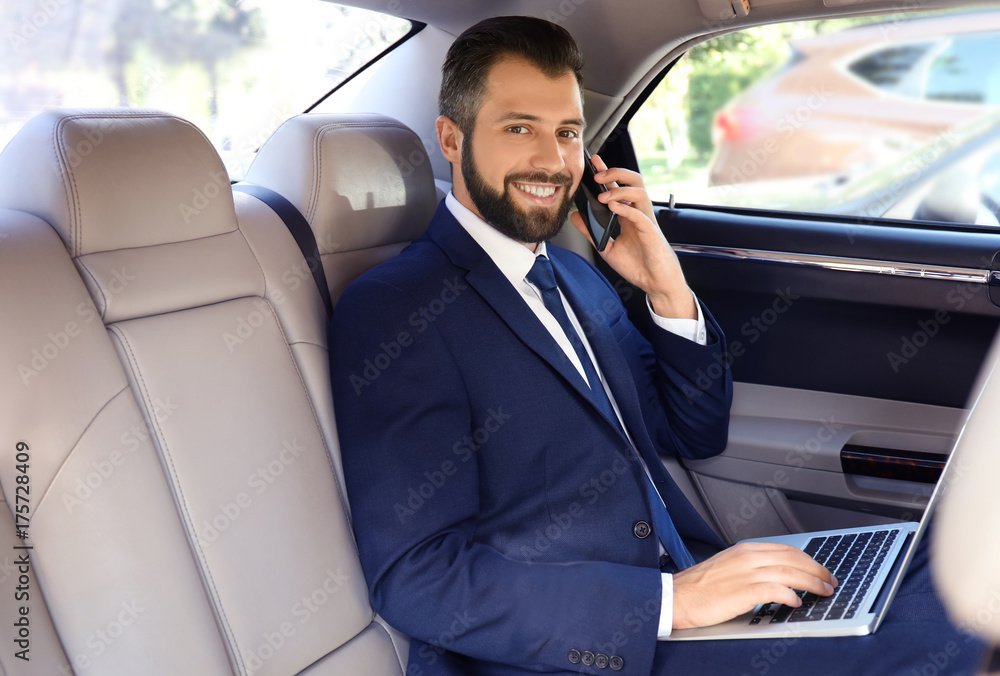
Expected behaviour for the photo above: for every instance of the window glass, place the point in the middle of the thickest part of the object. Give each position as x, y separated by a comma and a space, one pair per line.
967, 70
887, 67
235, 68
872, 117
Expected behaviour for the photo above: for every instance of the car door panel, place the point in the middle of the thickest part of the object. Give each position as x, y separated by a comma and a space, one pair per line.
912, 327
853, 348
785, 459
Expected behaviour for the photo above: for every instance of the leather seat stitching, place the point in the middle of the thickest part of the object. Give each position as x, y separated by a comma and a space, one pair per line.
100, 288
182, 500
73, 447
315, 416
318, 165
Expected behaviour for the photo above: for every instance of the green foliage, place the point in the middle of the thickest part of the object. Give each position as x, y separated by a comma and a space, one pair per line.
724, 67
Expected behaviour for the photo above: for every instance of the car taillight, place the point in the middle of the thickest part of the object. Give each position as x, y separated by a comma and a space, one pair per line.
726, 127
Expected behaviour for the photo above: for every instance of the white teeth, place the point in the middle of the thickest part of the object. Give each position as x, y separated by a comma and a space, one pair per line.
537, 190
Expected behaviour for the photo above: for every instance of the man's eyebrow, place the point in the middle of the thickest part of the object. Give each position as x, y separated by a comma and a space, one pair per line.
515, 116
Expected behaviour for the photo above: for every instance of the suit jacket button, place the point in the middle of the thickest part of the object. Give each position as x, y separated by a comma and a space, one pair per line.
601, 661
616, 663
574, 656
641, 530
587, 658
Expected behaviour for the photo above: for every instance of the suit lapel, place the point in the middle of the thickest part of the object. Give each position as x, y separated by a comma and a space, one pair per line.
484, 276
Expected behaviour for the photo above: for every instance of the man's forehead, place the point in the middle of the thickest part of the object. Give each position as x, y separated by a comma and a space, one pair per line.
518, 90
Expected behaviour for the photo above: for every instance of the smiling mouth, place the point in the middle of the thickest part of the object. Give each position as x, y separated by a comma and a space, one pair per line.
542, 191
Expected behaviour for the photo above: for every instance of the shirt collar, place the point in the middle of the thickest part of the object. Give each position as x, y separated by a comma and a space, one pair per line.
513, 258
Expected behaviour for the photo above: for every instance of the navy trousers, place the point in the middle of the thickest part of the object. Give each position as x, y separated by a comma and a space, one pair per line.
916, 639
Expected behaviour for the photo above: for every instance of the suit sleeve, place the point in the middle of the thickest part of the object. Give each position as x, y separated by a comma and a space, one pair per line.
686, 389
692, 386
401, 406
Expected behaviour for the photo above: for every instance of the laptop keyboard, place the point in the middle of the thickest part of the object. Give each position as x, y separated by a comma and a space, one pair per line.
854, 559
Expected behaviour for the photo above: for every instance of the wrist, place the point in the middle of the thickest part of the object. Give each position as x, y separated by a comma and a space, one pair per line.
674, 305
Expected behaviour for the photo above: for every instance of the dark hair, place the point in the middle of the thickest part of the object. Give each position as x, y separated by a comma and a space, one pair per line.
541, 43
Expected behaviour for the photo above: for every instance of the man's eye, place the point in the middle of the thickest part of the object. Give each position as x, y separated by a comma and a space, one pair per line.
570, 133
517, 129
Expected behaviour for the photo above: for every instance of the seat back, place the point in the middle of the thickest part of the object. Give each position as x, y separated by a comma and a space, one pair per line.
187, 515
365, 186
363, 182
965, 554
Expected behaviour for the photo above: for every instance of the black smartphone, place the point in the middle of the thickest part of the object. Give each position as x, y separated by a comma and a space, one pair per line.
603, 222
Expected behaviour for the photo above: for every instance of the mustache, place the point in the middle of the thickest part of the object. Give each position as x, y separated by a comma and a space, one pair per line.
538, 177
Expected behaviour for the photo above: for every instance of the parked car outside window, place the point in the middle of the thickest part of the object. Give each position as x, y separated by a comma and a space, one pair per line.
836, 117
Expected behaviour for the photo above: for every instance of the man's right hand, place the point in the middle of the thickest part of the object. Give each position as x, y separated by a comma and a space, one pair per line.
735, 580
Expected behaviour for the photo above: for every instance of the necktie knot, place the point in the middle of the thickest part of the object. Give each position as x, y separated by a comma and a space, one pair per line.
542, 275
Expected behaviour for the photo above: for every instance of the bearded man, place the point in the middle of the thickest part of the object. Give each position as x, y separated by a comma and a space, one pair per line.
512, 512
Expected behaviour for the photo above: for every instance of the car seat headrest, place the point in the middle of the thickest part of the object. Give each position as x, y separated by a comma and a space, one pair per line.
360, 180
117, 179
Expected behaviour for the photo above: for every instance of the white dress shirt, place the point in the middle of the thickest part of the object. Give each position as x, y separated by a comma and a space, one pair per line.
515, 261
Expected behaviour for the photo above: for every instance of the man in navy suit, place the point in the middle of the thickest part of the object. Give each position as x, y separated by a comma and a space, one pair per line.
501, 420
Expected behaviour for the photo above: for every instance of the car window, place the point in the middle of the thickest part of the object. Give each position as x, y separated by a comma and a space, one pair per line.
888, 68
967, 70
235, 68
870, 117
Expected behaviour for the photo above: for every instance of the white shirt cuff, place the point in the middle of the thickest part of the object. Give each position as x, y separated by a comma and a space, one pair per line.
666, 605
692, 329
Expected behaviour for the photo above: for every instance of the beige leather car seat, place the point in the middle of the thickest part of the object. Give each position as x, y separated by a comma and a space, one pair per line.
170, 381
363, 182
965, 549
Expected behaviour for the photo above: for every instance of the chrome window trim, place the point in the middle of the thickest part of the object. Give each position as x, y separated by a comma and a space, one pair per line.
842, 264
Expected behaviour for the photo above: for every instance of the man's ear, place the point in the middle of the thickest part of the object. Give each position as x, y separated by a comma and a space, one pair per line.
450, 139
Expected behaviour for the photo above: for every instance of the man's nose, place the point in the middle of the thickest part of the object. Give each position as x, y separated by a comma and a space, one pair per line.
548, 155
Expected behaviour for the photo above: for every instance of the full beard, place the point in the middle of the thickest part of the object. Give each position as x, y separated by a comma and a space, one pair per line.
498, 209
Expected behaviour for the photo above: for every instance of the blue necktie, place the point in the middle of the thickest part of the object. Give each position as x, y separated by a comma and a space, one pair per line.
543, 277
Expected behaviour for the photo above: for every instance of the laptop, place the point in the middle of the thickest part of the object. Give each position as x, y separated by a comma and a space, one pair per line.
869, 564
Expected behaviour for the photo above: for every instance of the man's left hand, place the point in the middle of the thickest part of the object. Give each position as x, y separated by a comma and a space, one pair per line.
641, 253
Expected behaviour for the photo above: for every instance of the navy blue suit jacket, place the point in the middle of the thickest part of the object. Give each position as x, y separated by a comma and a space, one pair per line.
494, 505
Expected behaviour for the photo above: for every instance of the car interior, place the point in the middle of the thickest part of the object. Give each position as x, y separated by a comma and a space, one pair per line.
166, 392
